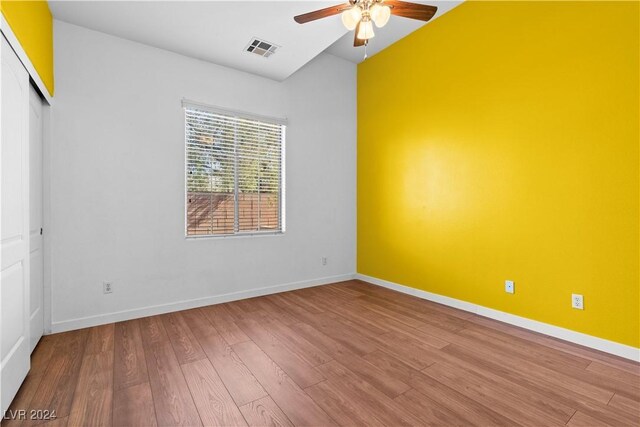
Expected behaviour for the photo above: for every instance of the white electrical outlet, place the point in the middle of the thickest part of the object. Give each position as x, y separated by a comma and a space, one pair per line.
324, 260
509, 286
577, 301
107, 288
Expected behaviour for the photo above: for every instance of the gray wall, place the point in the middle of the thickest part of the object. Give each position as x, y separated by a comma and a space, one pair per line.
116, 180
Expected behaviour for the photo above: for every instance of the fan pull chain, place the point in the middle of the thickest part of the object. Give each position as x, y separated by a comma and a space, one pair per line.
366, 42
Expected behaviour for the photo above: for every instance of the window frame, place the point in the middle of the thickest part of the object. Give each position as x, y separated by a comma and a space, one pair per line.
187, 104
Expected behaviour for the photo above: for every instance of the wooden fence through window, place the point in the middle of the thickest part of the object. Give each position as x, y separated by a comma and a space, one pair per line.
213, 213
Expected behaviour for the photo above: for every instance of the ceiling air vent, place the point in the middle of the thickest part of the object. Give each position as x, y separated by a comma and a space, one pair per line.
261, 47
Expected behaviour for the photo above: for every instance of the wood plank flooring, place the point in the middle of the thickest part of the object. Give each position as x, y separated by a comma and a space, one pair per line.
349, 353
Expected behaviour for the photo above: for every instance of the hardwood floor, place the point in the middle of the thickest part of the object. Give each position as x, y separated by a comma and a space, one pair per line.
343, 354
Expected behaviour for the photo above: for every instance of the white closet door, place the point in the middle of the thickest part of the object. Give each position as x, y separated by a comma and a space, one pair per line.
14, 224
36, 261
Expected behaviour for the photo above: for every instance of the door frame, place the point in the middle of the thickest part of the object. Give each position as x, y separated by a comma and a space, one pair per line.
36, 97
47, 234
46, 212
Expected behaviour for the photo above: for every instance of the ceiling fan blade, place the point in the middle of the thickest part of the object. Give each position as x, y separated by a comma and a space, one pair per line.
356, 41
405, 9
321, 13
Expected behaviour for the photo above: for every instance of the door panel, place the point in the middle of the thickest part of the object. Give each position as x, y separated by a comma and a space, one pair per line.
12, 280
36, 277
14, 225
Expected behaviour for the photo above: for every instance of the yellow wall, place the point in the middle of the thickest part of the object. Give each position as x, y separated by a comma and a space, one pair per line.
32, 23
501, 142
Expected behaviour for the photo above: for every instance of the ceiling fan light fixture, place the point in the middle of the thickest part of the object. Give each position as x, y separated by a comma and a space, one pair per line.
366, 30
380, 14
351, 17
360, 15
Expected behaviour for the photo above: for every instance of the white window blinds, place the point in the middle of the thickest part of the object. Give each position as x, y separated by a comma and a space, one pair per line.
234, 173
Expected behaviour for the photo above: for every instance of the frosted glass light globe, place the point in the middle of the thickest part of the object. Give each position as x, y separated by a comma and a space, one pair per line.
380, 14
351, 17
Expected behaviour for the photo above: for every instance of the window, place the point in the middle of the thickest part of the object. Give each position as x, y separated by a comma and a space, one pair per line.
234, 173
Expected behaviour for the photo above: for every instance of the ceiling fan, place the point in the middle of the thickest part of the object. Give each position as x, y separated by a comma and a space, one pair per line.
360, 15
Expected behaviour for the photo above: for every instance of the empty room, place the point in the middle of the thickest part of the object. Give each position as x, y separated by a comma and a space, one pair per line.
313, 213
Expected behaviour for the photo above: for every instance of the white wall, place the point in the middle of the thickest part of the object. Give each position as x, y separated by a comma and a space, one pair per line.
117, 180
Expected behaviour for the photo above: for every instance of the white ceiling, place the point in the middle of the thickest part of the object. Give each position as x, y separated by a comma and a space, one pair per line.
397, 28
219, 31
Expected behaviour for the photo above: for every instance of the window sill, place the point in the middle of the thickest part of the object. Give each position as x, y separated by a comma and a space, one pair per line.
237, 235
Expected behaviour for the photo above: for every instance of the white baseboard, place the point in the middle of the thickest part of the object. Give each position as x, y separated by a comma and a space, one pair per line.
596, 343
101, 319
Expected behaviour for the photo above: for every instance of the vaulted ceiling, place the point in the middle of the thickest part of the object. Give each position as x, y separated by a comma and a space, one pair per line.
219, 31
